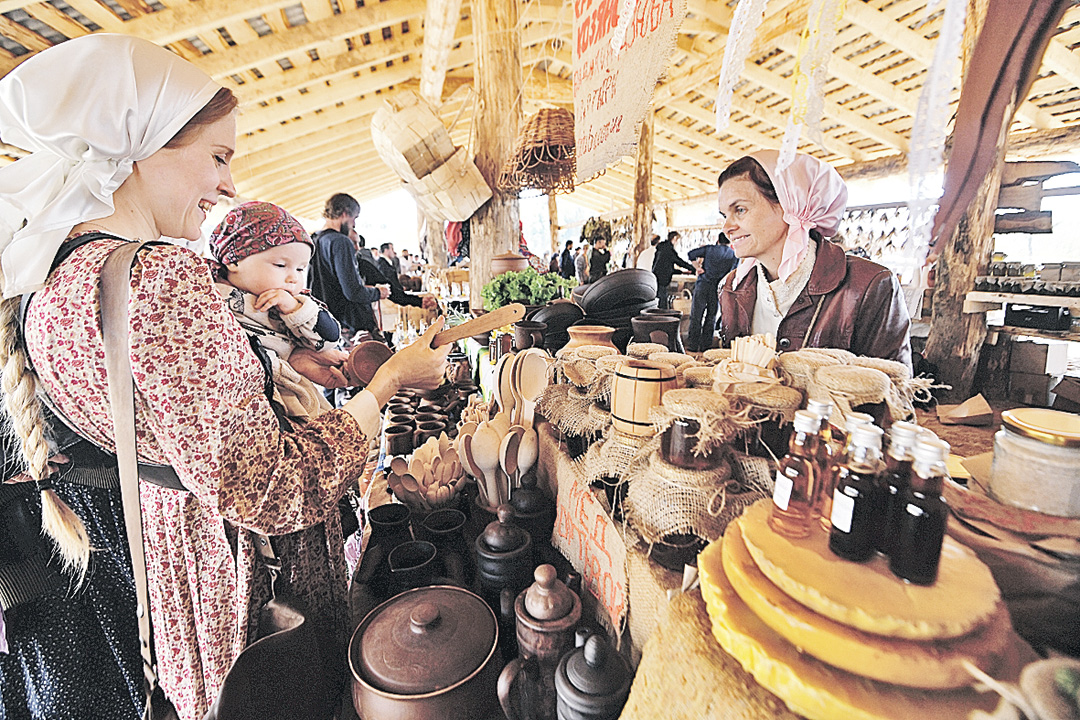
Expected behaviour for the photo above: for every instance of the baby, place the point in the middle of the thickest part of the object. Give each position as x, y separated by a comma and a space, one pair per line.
262, 256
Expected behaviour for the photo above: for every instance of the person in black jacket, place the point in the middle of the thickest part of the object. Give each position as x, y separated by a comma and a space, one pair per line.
384, 266
663, 266
566, 260
716, 262
335, 278
598, 261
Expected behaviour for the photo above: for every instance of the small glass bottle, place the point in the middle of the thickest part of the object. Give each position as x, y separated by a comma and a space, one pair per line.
896, 478
791, 511
916, 549
857, 509
825, 460
824, 503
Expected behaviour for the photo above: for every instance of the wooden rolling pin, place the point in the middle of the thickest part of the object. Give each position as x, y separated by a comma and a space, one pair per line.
367, 357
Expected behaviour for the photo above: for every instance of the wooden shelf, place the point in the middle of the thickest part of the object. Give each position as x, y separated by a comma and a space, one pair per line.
1032, 332
979, 302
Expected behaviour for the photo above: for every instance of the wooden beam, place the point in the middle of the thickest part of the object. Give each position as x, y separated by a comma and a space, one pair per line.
440, 23
643, 166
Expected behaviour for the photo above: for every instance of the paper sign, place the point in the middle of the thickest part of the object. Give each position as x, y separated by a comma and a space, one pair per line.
612, 90
588, 538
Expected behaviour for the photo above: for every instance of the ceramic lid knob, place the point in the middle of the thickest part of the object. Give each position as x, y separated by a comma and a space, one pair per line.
548, 598
594, 670
501, 535
528, 499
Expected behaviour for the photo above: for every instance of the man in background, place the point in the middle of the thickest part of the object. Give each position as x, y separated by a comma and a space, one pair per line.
663, 266
716, 262
566, 260
335, 278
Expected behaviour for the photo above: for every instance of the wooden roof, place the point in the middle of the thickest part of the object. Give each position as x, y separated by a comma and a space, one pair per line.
310, 73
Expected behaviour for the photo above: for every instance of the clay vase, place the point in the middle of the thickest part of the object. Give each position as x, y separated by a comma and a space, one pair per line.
590, 335
661, 329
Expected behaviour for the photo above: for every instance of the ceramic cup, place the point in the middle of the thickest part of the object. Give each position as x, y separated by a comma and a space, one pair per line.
389, 524
529, 334
412, 564
427, 430
409, 420
399, 439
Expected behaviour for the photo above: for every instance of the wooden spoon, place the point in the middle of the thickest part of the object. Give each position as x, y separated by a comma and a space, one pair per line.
410, 484
528, 450
508, 456
532, 379
485, 453
399, 466
469, 461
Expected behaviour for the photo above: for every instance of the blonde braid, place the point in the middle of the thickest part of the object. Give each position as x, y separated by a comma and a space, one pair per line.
23, 409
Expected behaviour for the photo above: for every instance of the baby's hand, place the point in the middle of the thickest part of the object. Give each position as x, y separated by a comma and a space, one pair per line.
283, 300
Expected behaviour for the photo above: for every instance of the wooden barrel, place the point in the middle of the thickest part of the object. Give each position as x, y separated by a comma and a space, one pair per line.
637, 388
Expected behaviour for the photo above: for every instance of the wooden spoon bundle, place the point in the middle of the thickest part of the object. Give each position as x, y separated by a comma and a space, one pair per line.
431, 479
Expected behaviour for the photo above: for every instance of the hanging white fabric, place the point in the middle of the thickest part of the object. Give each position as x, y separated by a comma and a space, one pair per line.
809, 77
744, 27
926, 154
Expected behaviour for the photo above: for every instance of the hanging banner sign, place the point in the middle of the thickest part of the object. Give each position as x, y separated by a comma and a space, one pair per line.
612, 90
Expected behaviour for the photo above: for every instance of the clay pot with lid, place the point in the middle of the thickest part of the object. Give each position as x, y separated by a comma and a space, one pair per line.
533, 510
426, 654
546, 614
592, 682
504, 556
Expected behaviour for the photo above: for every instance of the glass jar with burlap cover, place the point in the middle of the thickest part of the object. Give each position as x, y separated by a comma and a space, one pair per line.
850, 386
642, 351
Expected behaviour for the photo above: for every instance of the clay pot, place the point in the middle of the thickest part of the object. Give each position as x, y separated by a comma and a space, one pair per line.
592, 682
399, 439
529, 334
662, 329
426, 654
590, 335
508, 262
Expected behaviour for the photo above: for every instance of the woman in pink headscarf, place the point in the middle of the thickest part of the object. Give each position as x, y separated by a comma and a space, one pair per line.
791, 281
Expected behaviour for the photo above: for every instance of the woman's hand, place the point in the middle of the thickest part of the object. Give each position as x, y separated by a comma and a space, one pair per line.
321, 367
416, 366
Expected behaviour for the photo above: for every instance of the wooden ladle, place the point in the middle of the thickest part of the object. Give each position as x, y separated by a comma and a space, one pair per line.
367, 357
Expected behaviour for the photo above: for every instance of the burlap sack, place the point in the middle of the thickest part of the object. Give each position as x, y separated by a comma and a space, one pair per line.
905, 390
615, 455
663, 500
848, 386
568, 408
844, 356
641, 351
592, 352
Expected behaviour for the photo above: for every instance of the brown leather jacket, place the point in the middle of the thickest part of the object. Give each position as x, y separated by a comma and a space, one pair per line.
848, 303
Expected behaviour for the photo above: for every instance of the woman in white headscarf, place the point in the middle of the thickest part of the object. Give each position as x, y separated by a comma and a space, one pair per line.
140, 156
791, 281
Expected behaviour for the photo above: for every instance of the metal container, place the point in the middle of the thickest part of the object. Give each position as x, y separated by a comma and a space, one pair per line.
1037, 461
426, 654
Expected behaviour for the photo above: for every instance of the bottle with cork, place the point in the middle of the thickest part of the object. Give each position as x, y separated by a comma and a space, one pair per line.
825, 458
858, 500
792, 512
823, 498
896, 478
916, 548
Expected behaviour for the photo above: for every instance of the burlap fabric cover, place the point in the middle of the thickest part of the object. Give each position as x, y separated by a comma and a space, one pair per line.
673, 359
766, 400
698, 377
663, 499
642, 351
797, 368
719, 420
715, 355
848, 386
613, 457
568, 408
905, 390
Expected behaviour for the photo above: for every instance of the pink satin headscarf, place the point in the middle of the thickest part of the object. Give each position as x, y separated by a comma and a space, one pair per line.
812, 195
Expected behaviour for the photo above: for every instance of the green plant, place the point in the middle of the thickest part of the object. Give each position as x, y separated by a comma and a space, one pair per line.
527, 287
596, 229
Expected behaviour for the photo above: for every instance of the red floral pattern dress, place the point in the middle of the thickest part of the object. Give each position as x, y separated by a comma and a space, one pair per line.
200, 407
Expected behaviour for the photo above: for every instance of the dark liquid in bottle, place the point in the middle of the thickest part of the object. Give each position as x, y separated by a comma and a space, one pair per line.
916, 549
857, 514
896, 479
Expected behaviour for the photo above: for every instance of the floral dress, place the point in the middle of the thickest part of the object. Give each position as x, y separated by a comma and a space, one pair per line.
201, 408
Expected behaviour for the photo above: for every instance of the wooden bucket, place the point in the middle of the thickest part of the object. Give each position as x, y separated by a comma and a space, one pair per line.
636, 389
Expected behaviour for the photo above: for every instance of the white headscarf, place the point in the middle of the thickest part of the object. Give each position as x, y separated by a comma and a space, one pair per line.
87, 109
812, 195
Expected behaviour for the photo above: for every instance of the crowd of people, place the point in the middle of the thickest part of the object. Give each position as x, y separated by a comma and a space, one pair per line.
234, 437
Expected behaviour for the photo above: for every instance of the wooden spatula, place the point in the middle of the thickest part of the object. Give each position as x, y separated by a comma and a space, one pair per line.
366, 358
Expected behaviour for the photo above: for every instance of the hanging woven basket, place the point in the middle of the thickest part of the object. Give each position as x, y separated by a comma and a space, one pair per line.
544, 155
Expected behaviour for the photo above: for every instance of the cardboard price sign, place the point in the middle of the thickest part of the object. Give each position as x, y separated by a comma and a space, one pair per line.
588, 538
612, 90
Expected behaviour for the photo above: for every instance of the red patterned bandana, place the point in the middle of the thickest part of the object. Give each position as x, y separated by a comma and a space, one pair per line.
253, 227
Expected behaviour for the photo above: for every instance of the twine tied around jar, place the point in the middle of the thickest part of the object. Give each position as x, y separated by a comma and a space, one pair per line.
848, 386
797, 368
719, 421
664, 500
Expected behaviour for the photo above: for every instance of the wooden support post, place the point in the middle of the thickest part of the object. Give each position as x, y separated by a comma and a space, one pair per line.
495, 227
434, 240
643, 210
955, 340
553, 223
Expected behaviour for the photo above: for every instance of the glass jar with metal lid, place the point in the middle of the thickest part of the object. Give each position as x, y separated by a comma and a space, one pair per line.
1037, 461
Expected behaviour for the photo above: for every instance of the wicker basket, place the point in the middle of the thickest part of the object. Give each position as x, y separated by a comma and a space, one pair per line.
544, 155
410, 137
